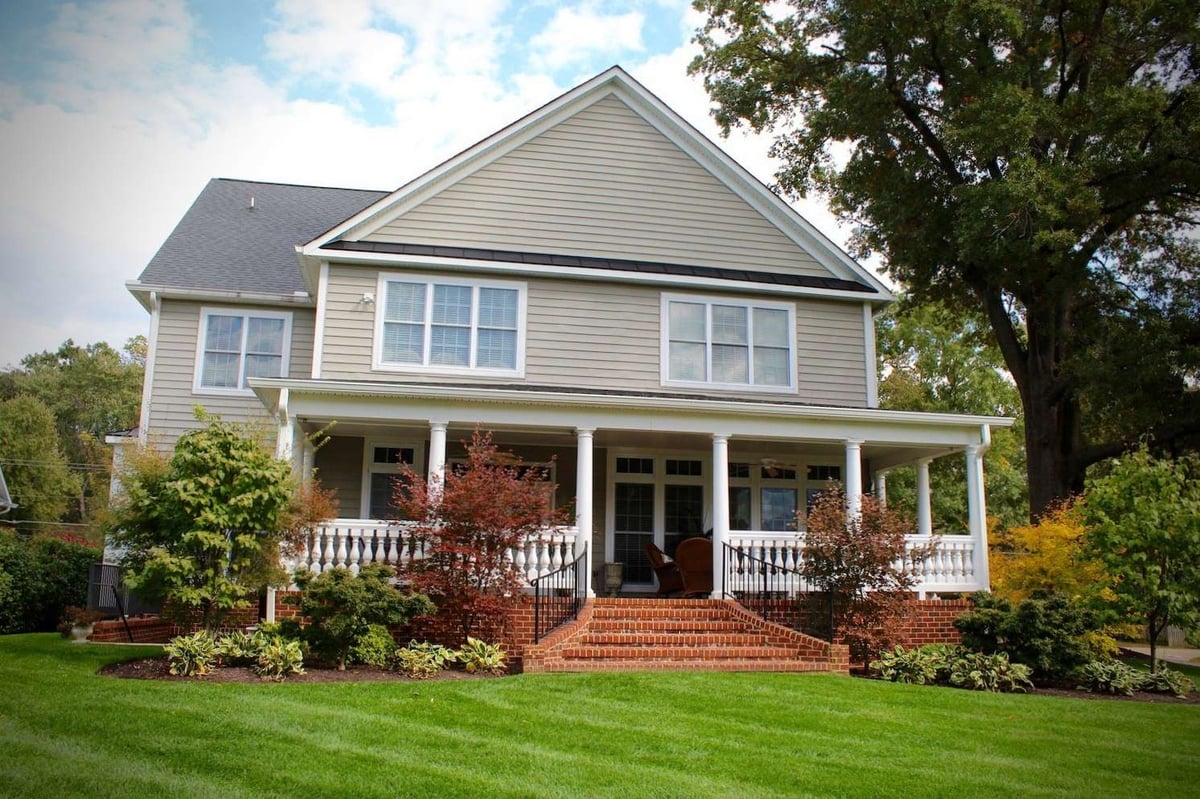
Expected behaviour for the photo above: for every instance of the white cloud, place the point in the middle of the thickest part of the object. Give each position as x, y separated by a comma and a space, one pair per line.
575, 35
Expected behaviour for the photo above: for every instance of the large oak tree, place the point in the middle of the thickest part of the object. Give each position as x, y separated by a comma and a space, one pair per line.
1038, 162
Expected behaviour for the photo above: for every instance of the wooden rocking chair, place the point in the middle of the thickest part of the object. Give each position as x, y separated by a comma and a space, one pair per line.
695, 559
669, 577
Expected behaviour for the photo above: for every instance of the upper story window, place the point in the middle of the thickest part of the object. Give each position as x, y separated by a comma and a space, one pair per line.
235, 345
448, 325
728, 343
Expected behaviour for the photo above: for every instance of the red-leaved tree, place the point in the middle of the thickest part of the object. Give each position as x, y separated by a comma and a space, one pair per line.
858, 562
466, 528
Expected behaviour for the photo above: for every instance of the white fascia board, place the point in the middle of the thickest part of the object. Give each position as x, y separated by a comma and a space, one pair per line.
142, 292
474, 157
400, 261
376, 402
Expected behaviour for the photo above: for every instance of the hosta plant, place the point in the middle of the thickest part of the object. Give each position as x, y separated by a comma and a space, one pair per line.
278, 658
476, 656
423, 660
980, 672
192, 655
920, 666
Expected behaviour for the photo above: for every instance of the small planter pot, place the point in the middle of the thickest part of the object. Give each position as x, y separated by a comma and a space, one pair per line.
80, 633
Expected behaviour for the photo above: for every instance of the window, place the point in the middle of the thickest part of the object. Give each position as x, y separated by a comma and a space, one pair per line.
236, 345
728, 343
449, 325
382, 467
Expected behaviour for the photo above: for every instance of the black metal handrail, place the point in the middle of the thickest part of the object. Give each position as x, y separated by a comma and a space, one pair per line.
558, 596
761, 586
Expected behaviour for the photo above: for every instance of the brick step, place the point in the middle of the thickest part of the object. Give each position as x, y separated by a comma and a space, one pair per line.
625, 602
574, 650
739, 638
666, 625
651, 613
686, 665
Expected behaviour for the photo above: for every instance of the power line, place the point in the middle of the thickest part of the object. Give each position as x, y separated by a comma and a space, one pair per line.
79, 467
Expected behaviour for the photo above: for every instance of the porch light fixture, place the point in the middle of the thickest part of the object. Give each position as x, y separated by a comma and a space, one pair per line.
368, 297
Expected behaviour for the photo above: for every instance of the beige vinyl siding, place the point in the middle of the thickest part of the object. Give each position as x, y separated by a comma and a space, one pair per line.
172, 399
831, 353
339, 465
603, 183
603, 335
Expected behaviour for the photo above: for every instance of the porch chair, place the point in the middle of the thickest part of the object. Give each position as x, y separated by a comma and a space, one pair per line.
694, 556
667, 571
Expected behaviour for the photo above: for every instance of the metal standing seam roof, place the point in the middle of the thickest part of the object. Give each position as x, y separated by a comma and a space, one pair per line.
224, 244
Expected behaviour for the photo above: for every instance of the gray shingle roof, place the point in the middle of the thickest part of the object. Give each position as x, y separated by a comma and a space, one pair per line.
223, 244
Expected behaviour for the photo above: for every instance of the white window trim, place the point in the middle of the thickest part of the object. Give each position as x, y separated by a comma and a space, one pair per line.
245, 313
370, 467
708, 301
379, 365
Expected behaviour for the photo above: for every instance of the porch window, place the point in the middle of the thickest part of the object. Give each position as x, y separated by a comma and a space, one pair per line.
236, 345
382, 467
728, 343
450, 325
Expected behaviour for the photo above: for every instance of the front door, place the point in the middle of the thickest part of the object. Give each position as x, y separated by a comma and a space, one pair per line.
654, 498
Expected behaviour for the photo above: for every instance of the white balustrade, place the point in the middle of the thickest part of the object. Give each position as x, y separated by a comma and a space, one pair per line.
949, 566
354, 543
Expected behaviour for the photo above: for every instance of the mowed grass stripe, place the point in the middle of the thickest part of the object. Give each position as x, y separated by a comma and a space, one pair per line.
68, 732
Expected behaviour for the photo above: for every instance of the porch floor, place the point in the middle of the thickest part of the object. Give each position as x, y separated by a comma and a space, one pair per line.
622, 634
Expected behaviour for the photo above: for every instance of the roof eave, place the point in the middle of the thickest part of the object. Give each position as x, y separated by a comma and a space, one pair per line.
142, 291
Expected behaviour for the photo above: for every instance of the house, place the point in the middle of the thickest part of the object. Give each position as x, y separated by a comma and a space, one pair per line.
600, 286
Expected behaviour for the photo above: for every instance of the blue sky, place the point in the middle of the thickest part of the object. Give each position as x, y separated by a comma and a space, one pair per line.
114, 114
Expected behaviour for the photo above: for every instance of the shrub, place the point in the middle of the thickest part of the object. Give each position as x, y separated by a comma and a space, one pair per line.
39, 579
1048, 557
476, 655
342, 607
192, 655
423, 660
374, 648
1046, 632
467, 527
921, 666
980, 672
277, 658
239, 648
858, 562
1111, 677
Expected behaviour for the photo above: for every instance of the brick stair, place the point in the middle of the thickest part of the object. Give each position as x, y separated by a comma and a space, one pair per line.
678, 634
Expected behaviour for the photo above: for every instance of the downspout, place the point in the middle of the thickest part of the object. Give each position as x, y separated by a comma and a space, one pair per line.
148, 372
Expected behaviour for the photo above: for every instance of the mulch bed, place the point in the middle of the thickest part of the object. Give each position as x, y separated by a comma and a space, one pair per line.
156, 668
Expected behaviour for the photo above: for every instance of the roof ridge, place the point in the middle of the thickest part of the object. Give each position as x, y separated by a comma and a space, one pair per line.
302, 185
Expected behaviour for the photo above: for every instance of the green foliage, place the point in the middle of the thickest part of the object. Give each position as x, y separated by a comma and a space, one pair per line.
421, 661
373, 648
202, 529
466, 528
480, 656
277, 658
979, 672
34, 467
920, 666
239, 648
39, 579
936, 359
192, 655
1047, 632
1035, 165
342, 607
1111, 676
1143, 517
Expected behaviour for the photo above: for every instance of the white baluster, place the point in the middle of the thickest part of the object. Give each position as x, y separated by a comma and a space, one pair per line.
327, 553
556, 546
392, 542
355, 551
340, 556
368, 544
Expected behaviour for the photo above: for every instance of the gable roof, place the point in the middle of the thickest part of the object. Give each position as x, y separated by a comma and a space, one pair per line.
347, 237
223, 243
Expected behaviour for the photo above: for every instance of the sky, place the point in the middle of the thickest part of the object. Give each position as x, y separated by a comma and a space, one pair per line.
115, 113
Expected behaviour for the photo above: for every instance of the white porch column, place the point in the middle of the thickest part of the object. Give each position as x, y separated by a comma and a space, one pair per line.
437, 454
720, 500
854, 484
881, 488
283, 433
924, 513
977, 514
583, 500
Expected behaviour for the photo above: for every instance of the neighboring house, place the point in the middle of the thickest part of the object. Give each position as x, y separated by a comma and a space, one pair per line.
597, 284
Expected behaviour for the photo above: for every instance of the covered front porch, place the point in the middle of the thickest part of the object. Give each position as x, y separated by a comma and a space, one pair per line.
634, 469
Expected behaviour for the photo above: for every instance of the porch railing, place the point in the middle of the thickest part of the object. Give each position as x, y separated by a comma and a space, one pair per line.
558, 596
950, 567
761, 585
354, 543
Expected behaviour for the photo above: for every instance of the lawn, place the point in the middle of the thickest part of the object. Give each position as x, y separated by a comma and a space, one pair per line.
66, 732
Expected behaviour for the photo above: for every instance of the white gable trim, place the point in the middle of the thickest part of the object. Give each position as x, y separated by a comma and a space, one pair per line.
613, 82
